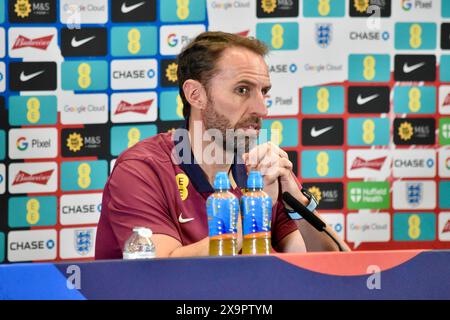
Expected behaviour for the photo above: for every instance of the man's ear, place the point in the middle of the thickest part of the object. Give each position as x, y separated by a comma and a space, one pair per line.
195, 94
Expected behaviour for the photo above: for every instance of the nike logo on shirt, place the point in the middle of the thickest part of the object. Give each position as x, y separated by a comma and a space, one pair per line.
184, 220
315, 133
26, 77
360, 100
76, 43
127, 9
409, 69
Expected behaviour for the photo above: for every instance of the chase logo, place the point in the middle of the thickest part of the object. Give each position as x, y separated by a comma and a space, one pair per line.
31, 211
134, 74
86, 75
322, 164
368, 132
324, 8
414, 226
32, 245
444, 131
415, 36
279, 36
134, 41
171, 106
444, 69
369, 68
322, 100
124, 137
83, 175
2, 144
32, 110
276, 8
415, 99
281, 132
182, 10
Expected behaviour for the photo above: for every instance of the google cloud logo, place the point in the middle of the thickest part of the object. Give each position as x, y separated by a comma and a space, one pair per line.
172, 40
22, 144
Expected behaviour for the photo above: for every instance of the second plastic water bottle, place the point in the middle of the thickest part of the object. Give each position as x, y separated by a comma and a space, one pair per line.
222, 208
256, 216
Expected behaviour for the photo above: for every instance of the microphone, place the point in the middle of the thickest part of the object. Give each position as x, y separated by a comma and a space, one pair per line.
312, 219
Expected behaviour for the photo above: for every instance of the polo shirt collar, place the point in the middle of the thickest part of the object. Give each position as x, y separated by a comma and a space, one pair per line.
196, 174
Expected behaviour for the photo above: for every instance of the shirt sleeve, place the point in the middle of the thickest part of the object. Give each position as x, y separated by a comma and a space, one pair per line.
137, 199
282, 225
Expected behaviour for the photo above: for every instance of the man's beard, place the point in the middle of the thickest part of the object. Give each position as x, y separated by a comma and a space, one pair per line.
234, 139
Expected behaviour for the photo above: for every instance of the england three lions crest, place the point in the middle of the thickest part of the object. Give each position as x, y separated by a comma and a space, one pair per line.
324, 34
84, 241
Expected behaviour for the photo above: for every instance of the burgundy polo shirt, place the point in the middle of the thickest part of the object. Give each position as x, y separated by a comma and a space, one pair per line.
146, 188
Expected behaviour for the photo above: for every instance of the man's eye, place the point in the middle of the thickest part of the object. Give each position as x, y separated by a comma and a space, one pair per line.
242, 90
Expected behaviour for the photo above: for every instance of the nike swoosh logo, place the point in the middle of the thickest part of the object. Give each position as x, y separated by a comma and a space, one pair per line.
26, 77
76, 43
315, 133
408, 69
126, 9
360, 100
182, 220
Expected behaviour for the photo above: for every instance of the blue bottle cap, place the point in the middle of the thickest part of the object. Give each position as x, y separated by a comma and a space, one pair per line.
255, 180
221, 182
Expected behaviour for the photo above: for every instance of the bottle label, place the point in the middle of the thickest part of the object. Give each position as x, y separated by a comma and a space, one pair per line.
138, 255
256, 215
222, 216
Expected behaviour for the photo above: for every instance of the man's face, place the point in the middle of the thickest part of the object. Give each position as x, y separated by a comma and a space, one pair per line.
236, 95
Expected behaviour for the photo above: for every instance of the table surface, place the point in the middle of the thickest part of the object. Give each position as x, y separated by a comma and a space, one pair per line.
406, 274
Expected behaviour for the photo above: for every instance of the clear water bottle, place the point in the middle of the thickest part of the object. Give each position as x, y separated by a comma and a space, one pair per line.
222, 208
139, 245
256, 216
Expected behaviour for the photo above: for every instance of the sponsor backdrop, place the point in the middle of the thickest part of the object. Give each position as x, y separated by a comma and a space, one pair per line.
360, 100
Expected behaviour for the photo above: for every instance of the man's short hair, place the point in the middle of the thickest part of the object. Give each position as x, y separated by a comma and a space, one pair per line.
198, 59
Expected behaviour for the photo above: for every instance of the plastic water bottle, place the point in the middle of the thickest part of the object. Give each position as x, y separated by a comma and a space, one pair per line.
139, 245
256, 216
222, 208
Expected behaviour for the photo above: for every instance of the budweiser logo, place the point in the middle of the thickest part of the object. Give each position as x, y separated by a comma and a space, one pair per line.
38, 43
446, 227
243, 33
39, 178
446, 100
141, 107
374, 164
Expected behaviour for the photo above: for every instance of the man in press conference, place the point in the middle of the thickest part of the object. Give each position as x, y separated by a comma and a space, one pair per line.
223, 81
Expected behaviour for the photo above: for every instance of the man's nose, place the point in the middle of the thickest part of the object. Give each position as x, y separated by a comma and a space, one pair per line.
259, 106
